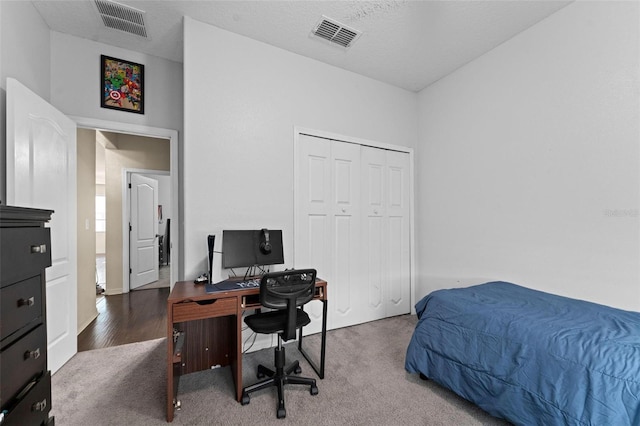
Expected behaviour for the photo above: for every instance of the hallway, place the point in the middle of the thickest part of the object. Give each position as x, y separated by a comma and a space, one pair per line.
126, 318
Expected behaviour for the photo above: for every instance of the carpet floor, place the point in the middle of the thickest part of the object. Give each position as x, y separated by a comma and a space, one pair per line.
365, 384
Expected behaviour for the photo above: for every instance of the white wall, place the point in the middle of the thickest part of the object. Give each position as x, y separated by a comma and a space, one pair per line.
529, 161
242, 101
78, 92
76, 86
24, 55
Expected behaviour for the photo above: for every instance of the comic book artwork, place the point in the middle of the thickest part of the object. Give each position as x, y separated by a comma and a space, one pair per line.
122, 85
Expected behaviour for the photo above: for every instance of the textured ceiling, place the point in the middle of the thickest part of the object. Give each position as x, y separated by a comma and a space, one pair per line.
408, 44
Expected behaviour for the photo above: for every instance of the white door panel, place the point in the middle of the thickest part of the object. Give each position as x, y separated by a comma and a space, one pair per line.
399, 246
313, 225
374, 269
143, 237
346, 272
41, 173
374, 237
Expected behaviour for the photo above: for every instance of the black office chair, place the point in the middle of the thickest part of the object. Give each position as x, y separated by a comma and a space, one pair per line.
285, 291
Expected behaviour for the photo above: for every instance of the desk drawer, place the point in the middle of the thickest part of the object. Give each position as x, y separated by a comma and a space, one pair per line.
24, 252
189, 311
21, 362
20, 305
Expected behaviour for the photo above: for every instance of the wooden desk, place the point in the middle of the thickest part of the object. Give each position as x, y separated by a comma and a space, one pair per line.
204, 330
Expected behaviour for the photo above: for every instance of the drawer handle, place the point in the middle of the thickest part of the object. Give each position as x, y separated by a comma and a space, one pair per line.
26, 302
42, 248
32, 354
40, 406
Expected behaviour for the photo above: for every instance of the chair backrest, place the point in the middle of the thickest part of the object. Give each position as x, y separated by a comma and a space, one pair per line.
288, 290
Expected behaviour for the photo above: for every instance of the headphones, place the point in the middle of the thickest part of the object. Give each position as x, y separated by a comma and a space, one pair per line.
265, 245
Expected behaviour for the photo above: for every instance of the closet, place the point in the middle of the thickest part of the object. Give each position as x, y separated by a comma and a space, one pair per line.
352, 223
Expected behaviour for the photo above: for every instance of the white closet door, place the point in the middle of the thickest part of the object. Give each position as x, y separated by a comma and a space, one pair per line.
374, 232
352, 224
346, 288
314, 216
398, 244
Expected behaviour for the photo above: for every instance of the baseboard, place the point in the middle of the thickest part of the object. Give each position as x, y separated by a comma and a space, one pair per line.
81, 327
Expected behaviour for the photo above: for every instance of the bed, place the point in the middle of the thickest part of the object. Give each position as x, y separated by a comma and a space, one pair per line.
530, 357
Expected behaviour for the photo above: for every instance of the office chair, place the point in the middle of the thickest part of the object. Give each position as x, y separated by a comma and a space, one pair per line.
286, 292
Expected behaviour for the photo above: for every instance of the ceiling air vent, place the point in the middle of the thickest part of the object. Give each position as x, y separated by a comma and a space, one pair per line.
122, 17
335, 32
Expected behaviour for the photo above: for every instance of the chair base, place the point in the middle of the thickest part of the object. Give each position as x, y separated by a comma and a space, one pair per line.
278, 378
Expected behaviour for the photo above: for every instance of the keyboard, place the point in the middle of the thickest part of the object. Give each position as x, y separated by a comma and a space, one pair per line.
248, 283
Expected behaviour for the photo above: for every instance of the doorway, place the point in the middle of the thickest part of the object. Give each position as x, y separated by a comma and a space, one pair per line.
120, 262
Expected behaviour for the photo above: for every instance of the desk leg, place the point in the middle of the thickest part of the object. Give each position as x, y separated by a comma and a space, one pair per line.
236, 364
323, 344
169, 379
171, 394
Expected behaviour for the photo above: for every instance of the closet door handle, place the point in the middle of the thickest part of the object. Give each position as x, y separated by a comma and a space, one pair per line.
26, 302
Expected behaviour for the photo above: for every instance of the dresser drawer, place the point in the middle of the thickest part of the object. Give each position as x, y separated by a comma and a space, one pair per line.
24, 253
206, 309
21, 362
20, 306
34, 406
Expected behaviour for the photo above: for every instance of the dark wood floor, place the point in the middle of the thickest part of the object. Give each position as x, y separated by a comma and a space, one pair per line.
127, 318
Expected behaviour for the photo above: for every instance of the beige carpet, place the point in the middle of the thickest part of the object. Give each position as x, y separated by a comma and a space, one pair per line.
365, 384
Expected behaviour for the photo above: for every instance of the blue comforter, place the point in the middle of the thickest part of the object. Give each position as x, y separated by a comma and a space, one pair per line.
531, 357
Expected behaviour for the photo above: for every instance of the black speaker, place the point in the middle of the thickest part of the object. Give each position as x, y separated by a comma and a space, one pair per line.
265, 245
211, 240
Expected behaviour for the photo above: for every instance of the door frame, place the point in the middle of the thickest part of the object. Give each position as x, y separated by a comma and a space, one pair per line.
154, 132
298, 130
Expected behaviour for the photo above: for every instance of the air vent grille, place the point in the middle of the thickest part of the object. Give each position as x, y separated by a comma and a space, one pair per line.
335, 32
121, 17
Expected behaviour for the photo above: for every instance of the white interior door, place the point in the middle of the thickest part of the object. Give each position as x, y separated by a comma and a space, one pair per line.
143, 237
374, 230
313, 219
346, 286
41, 173
398, 244
328, 223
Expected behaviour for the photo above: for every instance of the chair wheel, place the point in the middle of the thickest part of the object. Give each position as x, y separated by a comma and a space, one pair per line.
313, 390
282, 413
245, 399
298, 370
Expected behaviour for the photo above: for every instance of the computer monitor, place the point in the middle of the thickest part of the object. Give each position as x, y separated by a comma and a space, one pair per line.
246, 248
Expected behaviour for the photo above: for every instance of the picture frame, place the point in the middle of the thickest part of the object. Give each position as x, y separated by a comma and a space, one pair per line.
122, 85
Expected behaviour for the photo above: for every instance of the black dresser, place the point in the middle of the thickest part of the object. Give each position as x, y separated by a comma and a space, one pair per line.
25, 252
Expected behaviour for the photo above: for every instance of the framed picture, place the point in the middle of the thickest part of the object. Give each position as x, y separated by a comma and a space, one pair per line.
122, 85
